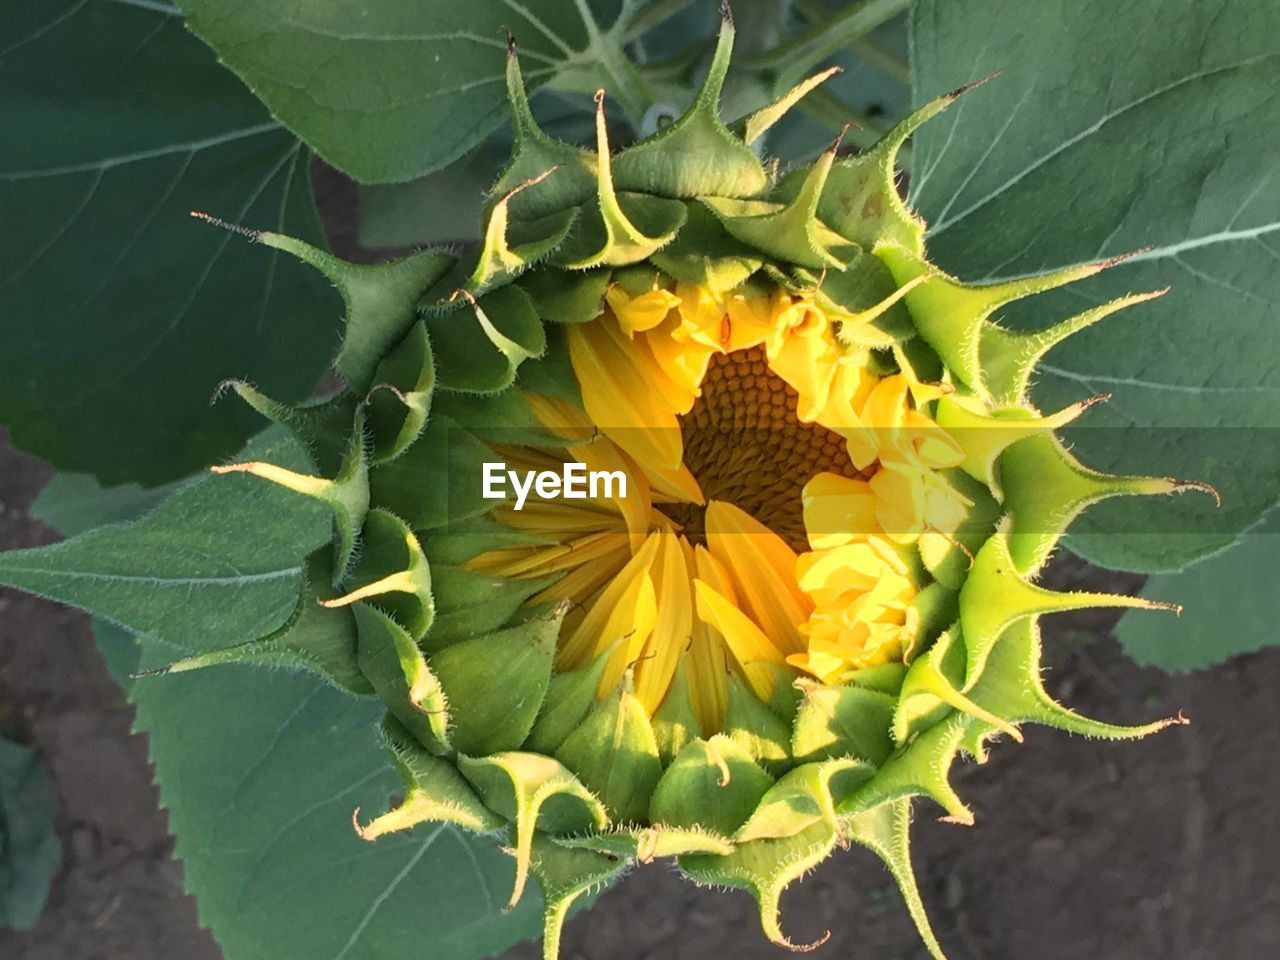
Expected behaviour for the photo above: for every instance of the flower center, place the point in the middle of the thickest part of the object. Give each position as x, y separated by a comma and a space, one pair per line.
745, 445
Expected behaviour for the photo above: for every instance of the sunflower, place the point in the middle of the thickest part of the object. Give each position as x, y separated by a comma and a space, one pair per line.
810, 585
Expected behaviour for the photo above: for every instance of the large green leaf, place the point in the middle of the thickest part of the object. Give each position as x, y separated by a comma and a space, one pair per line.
119, 314
391, 90
261, 770
1228, 608
1115, 127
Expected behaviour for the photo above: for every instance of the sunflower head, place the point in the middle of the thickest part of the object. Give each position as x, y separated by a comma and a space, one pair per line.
771, 499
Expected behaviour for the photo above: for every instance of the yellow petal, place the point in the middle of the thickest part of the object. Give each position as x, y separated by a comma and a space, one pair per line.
749, 646
838, 510
763, 569
673, 627
637, 314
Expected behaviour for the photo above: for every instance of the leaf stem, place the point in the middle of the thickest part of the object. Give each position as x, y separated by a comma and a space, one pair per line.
790, 60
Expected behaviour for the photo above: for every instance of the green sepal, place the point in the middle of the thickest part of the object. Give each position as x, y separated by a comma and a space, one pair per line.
552, 373
570, 697
400, 399
986, 434
995, 597
881, 677
949, 560
1046, 488
615, 754
562, 297
571, 179
1009, 358
313, 638
954, 317
931, 691
644, 845
704, 253
437, 480
1011, 687
864, 300
919, 769
805, 796
496, 683
565, 874
936, 608
791, 231
471, 604
400, 676
757, 729
392, 573
620, 228
322, 426
434, 791
844, 721
533, 792
480, 353
675, 724
510, 247
886, 831
696, 155
346, 494
751, 128
766, 868
861, 200
381, 301
713, 784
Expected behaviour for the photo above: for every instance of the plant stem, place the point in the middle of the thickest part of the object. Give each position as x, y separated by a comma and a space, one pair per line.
790, 60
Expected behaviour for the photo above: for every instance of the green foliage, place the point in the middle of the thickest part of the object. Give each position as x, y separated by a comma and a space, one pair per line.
1228, 609
118, 123
409, 85
30, 852
1148, 130
262, 770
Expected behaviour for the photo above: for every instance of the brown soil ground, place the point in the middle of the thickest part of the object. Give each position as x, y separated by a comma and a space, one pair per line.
1163, 849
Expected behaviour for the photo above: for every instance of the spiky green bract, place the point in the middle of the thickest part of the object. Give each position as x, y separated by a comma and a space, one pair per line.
485, 734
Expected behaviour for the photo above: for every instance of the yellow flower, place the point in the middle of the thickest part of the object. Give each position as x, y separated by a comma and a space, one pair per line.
769, 472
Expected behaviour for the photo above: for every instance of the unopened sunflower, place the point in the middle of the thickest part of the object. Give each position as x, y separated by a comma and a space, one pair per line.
779, 500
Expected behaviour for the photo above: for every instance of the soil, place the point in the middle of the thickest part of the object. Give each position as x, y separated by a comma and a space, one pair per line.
1163, 849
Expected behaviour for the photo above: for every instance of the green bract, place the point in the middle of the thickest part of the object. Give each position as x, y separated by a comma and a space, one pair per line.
485, 730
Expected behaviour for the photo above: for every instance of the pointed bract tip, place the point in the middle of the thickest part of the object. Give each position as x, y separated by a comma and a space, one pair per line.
1181, 720
962, 821
726, 13
391, 388
972, 84
802, 947
156, 672
360, 830
1119, 258
1182, 486
247, 467
254, 235
511, 41
223, 386
599, 100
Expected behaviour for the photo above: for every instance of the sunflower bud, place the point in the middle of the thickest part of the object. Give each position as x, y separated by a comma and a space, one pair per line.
805, 584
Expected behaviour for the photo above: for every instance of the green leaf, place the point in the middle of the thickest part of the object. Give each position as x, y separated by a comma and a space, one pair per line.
220, 562
119, 123
1113, 128
407, 86
262, 770
30, 847
1227, 609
